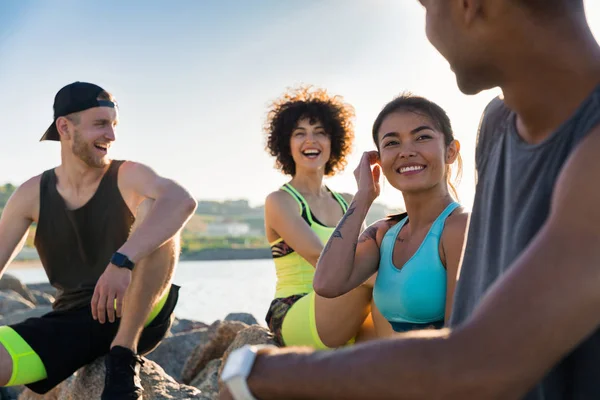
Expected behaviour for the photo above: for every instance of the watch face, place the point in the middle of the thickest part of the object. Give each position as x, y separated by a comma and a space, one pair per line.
118, 259
121, 260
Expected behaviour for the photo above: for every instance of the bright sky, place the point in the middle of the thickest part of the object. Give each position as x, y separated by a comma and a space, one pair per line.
193, 80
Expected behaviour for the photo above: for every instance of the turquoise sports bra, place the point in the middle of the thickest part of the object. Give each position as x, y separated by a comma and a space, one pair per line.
414, 296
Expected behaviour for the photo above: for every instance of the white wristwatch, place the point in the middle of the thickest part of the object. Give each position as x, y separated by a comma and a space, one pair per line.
237, 369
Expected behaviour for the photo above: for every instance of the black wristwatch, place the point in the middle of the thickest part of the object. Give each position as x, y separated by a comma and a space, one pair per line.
122, 261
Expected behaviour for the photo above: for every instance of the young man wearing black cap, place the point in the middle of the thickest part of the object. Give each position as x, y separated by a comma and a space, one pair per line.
107, 236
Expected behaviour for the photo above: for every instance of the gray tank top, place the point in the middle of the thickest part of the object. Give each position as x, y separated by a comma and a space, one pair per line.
515, 181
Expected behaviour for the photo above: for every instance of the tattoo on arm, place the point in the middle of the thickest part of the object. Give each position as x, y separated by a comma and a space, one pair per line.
369, 234
337, 234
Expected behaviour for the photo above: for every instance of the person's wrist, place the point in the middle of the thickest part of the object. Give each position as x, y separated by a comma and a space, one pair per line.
364, 196
238, 369
255, 381
122, 260
130, 252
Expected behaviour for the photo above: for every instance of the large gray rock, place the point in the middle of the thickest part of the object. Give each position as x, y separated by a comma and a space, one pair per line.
43, 287
173, 351
252, 335
186, 325
205, 352
10, 393
88, 383
22, 315
42, 298
246, 318
207, 381
11, 301
9, 282
58, 393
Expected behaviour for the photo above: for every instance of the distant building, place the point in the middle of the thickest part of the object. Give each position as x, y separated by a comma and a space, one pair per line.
234, 229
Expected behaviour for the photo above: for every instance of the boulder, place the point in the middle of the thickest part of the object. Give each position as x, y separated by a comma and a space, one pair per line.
186, 325
246, 318
173, 351
22, 315
9, 282
58, 393
42, 298
207, 381
225, 333
88, 383
10, 393
11, 301
43, 287
253, 335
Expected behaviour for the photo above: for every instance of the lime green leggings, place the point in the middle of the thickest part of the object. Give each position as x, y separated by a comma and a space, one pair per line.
299, 326
27, 366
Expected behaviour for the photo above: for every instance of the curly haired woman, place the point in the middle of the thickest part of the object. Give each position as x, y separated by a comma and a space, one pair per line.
310, 134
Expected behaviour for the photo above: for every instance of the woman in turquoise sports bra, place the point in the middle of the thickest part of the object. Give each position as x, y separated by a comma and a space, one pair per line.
416, 254
310, 134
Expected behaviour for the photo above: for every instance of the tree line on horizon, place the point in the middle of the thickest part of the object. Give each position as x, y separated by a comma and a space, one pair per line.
239, 209
194, 237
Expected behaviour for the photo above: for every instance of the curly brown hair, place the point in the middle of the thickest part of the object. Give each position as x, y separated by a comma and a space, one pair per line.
317, 105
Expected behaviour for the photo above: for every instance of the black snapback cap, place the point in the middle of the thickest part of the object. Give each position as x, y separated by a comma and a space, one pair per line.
75, 97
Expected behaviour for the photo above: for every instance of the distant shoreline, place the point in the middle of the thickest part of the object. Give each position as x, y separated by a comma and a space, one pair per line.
203, 255
227, 254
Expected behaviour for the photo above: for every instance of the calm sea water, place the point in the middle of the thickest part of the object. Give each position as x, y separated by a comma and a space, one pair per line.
209, 289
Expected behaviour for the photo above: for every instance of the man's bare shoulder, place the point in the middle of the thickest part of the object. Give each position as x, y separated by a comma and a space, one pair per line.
31, 185
132, 168
576, 193
137, 174
30, 189
26, 199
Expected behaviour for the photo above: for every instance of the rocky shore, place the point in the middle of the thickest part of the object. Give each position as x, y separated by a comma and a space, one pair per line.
186, 365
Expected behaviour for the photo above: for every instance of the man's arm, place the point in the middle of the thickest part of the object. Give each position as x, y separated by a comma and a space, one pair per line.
16, 220
530, 318
173, 206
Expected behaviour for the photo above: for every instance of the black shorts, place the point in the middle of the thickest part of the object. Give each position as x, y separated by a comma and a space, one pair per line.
67, 340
